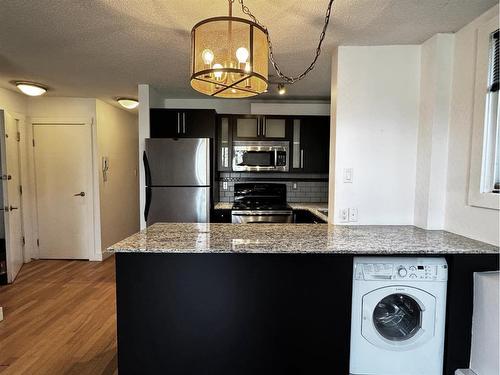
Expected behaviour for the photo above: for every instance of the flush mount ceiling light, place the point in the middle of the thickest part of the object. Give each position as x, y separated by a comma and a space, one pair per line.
128, 103
31, 88
230, 55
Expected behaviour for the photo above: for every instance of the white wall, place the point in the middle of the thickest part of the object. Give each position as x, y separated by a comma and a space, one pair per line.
435, 98
475, 222
13, 102
117, 139
376, 132
253, 106
333, 136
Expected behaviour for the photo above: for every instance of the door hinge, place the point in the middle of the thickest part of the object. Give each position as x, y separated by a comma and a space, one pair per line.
37, 242
24, 241
19, 136
21, 189
33, 142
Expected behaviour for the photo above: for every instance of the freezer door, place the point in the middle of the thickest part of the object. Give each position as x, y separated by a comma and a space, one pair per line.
178, 162
177, 205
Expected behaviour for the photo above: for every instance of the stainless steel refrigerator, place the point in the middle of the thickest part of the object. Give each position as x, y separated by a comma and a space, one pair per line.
178, 180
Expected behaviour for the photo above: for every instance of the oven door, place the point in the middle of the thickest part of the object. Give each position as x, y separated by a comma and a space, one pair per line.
260, 156
261, 217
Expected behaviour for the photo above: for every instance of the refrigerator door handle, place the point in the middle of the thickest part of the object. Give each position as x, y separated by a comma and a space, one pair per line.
147, 170
149, 193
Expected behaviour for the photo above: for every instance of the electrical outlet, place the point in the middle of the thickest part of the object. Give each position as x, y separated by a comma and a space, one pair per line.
224, 185
353, 214
344, 215
294, 186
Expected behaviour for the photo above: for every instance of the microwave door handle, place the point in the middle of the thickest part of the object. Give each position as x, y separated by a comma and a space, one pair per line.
275, 158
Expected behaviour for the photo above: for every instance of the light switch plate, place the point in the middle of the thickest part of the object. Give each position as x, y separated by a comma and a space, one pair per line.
348, 175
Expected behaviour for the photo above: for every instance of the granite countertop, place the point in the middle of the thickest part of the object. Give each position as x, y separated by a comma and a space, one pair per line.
297, 238
312, 207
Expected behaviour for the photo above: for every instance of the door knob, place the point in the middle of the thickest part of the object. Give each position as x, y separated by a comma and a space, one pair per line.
81, 194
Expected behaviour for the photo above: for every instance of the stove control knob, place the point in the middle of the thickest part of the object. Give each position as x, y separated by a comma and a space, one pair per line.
402, 272
412, 268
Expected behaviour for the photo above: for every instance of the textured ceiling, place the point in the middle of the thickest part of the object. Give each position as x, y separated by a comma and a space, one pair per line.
104, 48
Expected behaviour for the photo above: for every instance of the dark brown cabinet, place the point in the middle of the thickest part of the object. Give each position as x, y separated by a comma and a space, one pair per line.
309, 138
306, 217
310, 148
261, 128
182, 123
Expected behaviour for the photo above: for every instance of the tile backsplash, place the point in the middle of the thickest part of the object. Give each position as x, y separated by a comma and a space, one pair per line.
315, 190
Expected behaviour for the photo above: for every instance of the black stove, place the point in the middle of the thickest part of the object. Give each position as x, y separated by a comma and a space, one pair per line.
260, 203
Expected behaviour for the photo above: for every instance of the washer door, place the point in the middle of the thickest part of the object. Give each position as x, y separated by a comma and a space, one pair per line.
398, 317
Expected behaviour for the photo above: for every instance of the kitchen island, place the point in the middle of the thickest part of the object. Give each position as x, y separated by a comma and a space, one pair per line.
267, 298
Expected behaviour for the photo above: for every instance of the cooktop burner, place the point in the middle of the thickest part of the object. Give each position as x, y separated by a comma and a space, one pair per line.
260, 197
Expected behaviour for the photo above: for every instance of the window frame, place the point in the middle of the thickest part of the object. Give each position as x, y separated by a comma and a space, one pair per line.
477, 196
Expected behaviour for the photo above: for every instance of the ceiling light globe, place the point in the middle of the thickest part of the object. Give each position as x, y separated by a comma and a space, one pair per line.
128, 103
242, 55
31, 89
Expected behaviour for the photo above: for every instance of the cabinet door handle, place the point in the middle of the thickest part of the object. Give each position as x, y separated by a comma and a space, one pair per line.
178, 122
302, 158
184, 122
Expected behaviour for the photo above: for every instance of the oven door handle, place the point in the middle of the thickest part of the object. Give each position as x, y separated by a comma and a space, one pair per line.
260, 213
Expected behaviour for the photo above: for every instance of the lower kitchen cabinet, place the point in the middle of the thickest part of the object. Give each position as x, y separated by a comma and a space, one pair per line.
306, 217
220, 216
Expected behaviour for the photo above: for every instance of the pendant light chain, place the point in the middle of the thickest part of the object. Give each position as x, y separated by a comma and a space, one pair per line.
288, 79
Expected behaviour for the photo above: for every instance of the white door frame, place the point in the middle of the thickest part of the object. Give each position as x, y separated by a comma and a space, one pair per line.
94, 239
20, 155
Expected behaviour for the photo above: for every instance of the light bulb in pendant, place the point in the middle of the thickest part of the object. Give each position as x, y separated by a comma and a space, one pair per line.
242, 55
217, 73
208, 56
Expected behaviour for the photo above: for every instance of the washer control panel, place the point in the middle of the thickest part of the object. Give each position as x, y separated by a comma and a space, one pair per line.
400, 271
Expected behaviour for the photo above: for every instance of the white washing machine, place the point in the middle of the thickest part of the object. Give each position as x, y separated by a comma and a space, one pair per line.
398, 316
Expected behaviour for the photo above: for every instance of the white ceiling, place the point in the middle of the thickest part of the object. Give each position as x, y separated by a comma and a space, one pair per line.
104, 48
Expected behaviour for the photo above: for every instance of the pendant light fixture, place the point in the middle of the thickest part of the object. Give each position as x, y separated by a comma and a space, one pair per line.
230, 55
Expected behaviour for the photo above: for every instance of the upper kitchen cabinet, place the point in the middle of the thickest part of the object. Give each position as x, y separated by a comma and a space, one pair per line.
182, 123
261, 128
311, 144
224, 143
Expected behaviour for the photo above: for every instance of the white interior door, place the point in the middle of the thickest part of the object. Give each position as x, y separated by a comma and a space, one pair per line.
11, 188
63, 177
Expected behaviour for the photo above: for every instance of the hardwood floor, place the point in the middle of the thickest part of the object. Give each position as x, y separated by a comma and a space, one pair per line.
59, 318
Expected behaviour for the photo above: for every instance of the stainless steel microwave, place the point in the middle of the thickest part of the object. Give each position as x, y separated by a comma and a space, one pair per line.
260, 156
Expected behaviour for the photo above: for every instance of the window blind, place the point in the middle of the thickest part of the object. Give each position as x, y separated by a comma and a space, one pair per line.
494, 62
